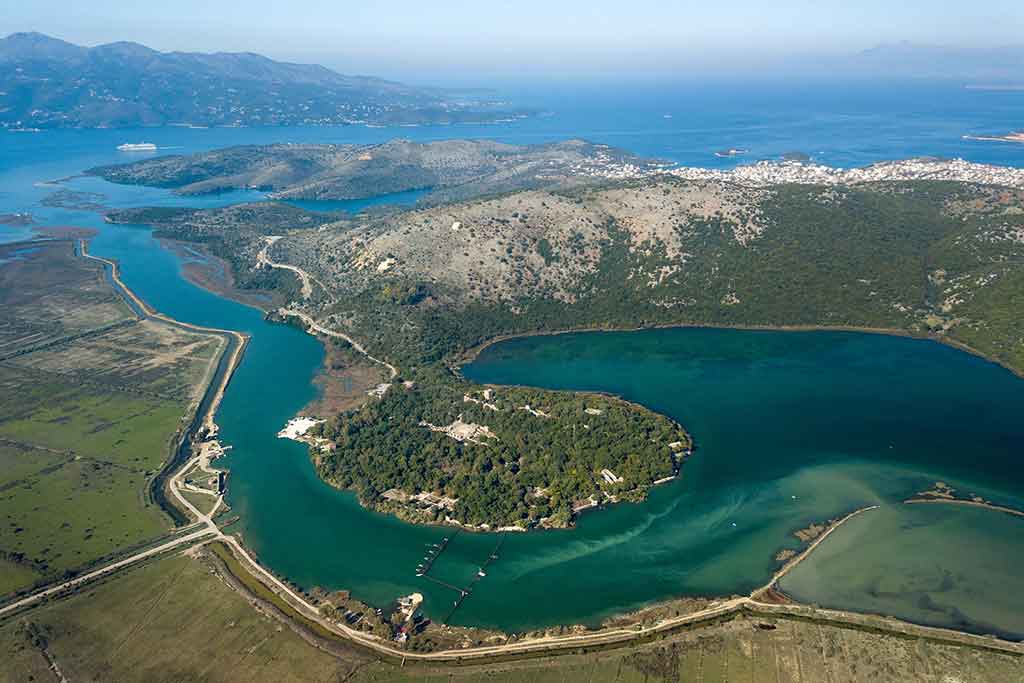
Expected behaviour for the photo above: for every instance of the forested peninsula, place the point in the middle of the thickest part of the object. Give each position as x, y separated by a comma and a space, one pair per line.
607, 242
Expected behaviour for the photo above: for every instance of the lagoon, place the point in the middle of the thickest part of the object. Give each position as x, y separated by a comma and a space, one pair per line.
404, 199
791, 428
795, 427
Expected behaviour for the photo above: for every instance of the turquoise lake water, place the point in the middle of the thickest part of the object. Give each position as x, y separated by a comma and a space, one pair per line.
794, 427
352, 206
791, 427
943, 565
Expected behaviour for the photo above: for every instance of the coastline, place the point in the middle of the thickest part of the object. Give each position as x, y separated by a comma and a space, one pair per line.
625, 631
409, 515
1009, 137
716, 610
792, 562
769, 592
527, 647
201, 416
197, 274
469, 355
972, 503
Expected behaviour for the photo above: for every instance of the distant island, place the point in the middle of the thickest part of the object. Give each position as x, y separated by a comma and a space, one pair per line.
50, 83
17, 219
996, 87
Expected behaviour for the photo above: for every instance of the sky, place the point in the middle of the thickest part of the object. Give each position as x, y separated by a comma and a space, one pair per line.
442, 40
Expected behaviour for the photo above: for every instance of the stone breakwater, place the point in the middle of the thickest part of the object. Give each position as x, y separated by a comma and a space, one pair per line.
766, 173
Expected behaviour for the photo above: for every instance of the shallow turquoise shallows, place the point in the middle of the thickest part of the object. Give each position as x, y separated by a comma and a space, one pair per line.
794, 427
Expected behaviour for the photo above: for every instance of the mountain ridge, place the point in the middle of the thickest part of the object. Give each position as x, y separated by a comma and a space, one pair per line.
47, 82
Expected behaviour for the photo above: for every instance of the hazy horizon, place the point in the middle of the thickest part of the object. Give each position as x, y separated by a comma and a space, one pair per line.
471, 43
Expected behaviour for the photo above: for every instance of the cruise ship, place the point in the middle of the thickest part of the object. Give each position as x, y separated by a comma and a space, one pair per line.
137, 147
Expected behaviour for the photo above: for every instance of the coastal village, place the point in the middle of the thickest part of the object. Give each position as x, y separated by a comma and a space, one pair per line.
767, 173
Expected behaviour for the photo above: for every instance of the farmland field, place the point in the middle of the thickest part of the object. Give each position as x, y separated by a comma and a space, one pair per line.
86, 418
47, 293
122, 629
168, 621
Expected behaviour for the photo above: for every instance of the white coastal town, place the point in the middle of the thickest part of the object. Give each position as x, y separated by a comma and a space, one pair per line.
767, 173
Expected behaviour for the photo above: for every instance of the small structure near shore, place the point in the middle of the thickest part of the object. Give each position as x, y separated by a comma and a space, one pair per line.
297, 427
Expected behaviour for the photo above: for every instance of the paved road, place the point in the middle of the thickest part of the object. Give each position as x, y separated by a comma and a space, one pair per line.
190, 538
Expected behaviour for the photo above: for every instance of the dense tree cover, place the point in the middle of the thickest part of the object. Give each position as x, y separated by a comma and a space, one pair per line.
945, 259
496, 479
836, 257
929, 258
886, 257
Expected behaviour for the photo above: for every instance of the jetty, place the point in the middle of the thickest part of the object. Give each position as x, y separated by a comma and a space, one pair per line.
423, 571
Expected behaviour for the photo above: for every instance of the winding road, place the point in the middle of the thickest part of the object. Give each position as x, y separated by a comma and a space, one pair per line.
320, 329
263, 259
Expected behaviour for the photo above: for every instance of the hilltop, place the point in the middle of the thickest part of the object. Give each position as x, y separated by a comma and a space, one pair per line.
922, 247
49, 83
927, 257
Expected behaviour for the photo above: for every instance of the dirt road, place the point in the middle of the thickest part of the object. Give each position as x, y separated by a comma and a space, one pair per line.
209, 531
307, 280
320, 329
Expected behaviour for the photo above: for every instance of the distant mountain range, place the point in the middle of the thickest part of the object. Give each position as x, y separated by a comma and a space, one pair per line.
50, 83
996, 64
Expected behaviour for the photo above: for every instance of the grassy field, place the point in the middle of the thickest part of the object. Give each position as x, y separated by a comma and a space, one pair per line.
203, 502
47, 293
175, 620
76, 462
169, 621
150, 356
747, 650
84, 422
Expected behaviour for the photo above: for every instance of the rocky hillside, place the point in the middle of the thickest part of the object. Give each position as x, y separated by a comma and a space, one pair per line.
452, 168
421, 287
929, 258
583, 250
